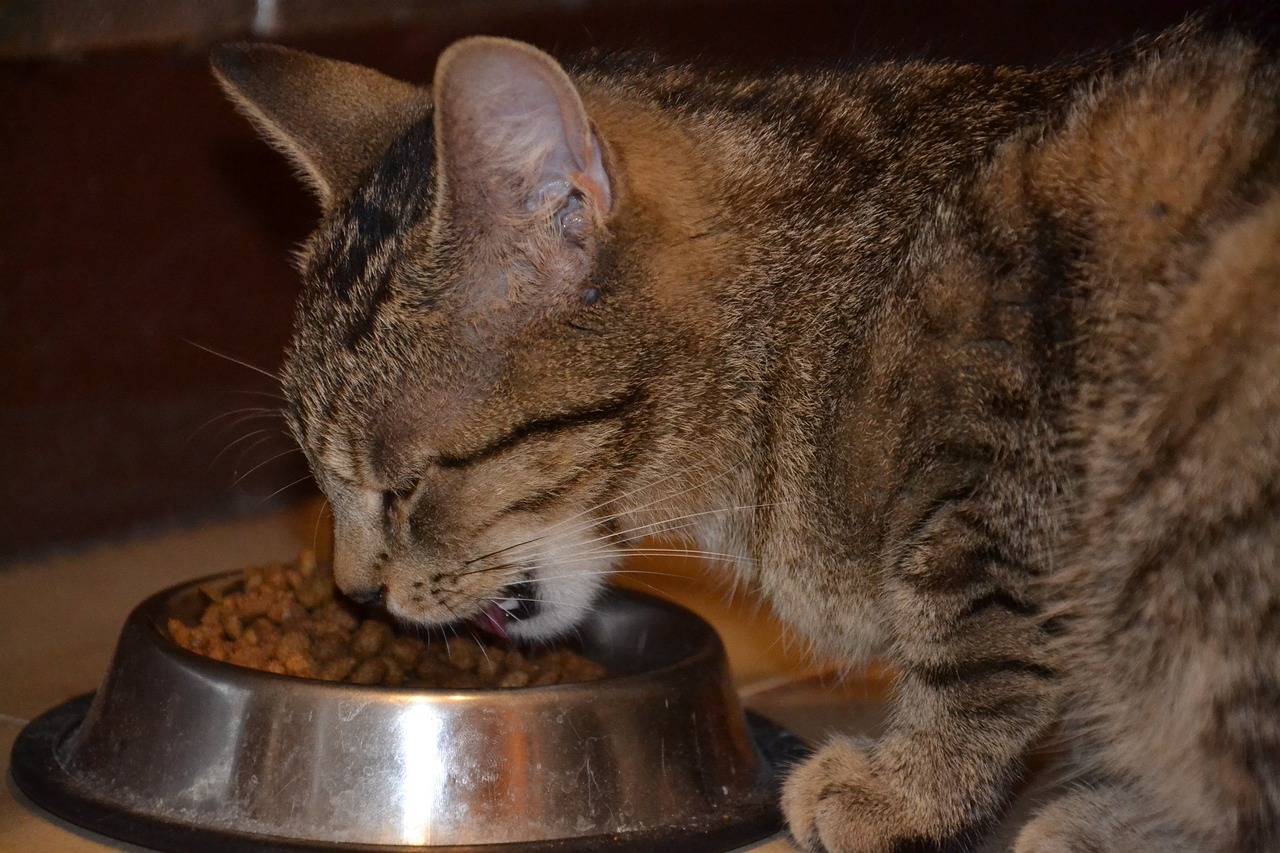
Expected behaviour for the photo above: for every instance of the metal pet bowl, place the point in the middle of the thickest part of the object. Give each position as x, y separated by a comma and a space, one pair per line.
180, 752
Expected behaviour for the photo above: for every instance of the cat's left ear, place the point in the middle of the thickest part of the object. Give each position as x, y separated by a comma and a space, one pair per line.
334, 120
514, 138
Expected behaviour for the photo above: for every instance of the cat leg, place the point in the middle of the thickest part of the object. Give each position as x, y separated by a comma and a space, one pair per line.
1103, 819
974, 693
937, 787
1174, 693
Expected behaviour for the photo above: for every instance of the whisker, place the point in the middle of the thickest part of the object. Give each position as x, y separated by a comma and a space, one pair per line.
247, 414
665, 525
264, 462
273, 395
233, 360
607, 573
554, 528
237, 441
315, 533
301, 479
630, 573
656, 527
257, 444
692, 553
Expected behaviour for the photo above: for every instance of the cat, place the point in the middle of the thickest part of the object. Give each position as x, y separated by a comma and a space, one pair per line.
974, 368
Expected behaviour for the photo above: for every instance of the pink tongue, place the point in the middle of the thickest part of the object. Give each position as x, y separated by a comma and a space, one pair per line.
493, 620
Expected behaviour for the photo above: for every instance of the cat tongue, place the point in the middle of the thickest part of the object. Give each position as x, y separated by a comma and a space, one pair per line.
493, 620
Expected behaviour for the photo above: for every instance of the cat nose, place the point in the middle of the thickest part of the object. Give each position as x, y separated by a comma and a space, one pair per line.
371, 596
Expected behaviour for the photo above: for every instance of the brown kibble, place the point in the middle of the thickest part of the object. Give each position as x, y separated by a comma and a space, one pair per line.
273, 577
339, 669
232, 626
268, 632
339, 616
213, 590
276, 612
249, 656
463, 654
179, 632
489, 663
514, 678
288, 619
252, 605
211, 618
370, 671
370, 637
328, 646
546, 678
298, 663
395, 672
293, 642
292, 612
405, 651
314, 590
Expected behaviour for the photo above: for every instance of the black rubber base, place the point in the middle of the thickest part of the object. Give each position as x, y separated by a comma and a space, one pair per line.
38, 770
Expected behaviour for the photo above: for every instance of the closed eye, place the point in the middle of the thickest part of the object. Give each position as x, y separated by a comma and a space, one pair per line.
606, 410
578, 327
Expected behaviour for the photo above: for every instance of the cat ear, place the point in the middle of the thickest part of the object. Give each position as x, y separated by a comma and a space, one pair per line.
334, 120
513, 136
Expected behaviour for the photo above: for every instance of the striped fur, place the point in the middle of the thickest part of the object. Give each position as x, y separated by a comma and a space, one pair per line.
973, 368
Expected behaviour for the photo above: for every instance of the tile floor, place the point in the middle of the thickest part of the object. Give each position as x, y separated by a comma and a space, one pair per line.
59, 618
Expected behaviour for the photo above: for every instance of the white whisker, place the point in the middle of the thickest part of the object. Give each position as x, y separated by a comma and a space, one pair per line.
269, 438
247, 413
556, 529
240, 440
664, 526
264, 462
315, 533
302, 479
233, 360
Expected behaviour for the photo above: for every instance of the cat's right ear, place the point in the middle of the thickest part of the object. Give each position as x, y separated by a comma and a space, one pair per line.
514, 138
334, 120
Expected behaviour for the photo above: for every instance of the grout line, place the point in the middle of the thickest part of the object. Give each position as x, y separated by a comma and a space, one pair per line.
9, 718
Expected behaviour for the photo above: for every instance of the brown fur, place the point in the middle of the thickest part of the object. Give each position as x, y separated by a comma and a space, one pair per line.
972, 368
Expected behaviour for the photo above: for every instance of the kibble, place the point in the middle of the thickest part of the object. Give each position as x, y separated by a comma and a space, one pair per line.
290, 619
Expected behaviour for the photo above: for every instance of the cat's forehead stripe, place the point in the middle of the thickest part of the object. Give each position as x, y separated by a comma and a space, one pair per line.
355, 263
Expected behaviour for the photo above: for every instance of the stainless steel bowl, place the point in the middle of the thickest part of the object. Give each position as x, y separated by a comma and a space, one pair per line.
182, 752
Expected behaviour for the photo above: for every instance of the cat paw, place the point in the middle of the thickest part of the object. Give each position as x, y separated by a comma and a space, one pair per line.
835, 803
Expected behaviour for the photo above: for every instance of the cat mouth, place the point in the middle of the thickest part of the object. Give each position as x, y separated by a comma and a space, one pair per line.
514, 604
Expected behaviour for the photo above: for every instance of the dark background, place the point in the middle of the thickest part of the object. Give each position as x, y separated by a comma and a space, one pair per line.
140, 220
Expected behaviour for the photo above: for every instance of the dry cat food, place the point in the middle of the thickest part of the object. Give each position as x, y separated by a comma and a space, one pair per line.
290, 619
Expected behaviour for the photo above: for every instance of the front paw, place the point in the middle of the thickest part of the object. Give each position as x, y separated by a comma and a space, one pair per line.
835, 804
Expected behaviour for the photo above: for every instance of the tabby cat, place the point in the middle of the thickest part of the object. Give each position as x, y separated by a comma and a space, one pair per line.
974, 368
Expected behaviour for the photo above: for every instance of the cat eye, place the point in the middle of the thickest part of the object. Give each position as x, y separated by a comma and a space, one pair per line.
392, 498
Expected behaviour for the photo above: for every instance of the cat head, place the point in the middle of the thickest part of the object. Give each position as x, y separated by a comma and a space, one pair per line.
479, 373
